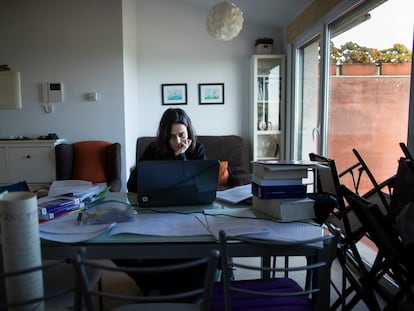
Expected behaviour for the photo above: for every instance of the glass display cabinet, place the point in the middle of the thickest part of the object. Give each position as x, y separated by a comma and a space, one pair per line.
267, 88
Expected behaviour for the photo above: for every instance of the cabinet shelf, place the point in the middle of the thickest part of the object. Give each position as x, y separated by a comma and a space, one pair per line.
267, 98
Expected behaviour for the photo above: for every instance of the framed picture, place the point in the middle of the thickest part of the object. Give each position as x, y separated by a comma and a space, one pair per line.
211, 93
174, 94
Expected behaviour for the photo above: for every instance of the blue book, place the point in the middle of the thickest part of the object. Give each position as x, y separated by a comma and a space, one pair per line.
50, 205
62, 212
279, 191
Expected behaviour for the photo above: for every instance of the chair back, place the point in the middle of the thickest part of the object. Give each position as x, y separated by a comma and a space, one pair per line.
138, 302
50, 298
403, 187
93, 160
396, 259
255, 294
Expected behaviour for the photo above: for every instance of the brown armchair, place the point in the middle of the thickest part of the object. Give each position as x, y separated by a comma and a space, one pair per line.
94, 160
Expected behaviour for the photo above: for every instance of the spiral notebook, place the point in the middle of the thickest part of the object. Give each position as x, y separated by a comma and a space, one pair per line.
174, 183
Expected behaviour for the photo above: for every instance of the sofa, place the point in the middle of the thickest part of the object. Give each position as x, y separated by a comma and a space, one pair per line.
228, 148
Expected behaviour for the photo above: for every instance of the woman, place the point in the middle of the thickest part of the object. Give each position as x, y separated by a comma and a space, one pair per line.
176, 140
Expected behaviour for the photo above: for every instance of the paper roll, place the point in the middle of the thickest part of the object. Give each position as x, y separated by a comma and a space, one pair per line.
20, 245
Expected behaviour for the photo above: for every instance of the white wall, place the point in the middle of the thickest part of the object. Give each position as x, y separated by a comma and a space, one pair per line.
174, 47
77, 42
88, 46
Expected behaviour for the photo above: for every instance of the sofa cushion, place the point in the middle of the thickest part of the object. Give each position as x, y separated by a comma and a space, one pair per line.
223, 176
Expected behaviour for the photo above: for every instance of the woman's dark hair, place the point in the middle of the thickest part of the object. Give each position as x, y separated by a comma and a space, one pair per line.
173, 116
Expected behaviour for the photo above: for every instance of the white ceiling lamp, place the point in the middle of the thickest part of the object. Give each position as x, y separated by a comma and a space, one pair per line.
224, 21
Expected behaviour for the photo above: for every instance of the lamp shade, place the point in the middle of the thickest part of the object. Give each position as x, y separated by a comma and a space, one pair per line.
224, 21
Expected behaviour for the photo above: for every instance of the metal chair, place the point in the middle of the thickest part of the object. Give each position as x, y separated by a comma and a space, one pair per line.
32, 301
170, 302
274, 292
351, 231
393, 260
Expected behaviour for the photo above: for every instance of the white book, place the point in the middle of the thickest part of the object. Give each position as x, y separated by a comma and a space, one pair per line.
286, 209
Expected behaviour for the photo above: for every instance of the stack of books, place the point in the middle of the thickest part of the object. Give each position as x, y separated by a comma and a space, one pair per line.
55, 207
278, 190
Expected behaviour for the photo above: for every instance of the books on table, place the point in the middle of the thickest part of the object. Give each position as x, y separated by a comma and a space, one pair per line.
286, 209
52, 204
54, 207
278, 189
283, 169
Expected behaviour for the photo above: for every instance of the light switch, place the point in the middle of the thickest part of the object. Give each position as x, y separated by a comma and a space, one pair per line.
93, 97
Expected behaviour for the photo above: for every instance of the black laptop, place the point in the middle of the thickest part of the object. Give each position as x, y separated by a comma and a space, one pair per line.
173, 183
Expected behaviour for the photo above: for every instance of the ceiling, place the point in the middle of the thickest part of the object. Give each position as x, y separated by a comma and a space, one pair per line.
274, 14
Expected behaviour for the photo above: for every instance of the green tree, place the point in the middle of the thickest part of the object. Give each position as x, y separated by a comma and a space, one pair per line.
399, 53
352, 52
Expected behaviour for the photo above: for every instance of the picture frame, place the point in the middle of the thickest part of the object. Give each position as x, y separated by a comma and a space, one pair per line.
174, 94
211, 93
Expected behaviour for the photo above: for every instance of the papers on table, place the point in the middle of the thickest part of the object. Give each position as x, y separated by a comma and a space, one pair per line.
163, 224
236, 194
236, 221
244, 222
67, 229
82, 189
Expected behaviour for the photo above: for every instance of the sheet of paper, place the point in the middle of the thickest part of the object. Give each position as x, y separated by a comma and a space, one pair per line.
236, 194
69, 225
163, 224
69, 238
263, 228
235, 212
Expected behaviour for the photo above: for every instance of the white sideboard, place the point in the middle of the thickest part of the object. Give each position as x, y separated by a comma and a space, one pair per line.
30, 160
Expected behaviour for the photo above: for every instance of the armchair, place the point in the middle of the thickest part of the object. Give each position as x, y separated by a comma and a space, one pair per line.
93, 160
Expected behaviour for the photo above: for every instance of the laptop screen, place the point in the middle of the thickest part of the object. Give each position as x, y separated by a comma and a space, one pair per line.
171, 183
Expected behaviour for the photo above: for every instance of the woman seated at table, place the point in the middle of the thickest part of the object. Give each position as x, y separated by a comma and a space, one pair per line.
176, 141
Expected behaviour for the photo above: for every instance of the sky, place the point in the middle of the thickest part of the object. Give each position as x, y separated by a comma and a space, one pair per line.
391, 22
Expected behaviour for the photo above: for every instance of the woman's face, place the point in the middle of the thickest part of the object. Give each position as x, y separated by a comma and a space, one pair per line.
178, 136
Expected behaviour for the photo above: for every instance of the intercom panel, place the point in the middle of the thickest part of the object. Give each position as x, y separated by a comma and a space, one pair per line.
53, 92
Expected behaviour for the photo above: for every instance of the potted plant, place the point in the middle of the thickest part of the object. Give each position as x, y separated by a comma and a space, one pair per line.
396, 60
356, 59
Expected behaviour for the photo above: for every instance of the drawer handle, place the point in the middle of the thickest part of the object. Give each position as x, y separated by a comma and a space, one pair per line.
28, 156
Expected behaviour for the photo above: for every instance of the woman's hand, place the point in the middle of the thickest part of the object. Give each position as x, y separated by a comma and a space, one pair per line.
182, 146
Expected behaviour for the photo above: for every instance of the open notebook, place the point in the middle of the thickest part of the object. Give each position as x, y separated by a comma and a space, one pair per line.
172, 183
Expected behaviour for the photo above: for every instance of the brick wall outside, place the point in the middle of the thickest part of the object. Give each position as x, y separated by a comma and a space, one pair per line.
369, 113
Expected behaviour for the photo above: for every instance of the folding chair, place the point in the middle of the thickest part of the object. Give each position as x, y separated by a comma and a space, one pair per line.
377, 192
33, 301
344, 221
394, 259
406, 152
274, 293
157, 302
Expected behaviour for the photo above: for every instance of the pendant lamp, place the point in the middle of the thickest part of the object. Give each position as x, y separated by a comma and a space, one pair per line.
224, 21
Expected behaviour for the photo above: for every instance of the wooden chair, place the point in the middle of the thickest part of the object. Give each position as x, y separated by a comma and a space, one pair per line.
273, 292
50, 298
157, 302
95, 161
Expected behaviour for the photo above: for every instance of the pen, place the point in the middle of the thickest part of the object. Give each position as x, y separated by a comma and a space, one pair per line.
79, 220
